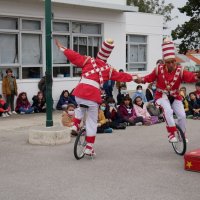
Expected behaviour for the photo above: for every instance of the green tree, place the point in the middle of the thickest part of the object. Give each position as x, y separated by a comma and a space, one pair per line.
189, 32
154, 6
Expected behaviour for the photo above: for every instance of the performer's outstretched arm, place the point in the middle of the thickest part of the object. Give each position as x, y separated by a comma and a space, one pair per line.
74, 57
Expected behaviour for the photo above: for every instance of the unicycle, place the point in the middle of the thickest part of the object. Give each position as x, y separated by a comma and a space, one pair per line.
180, 146
80, 144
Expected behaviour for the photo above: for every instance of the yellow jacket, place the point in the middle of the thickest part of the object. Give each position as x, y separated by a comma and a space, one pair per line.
67, 120
101, 117
6, 86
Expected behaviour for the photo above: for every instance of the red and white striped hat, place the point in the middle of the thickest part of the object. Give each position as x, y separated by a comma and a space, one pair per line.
168, 49
106, 50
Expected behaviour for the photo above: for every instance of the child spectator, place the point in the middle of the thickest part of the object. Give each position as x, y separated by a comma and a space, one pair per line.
4, 108
119, 84
197, 91
185, 103
121, 95
127, 113
139, 93
183, 89
103, 126
141, 111
194, 105
150, 91
39, 103
64, 100
68, 115
112, 115
9, 89
23, 105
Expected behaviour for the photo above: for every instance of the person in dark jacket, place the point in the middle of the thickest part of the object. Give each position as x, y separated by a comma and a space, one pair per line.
64, 100
127, 113
112, 115
194, 105
150, 91
23, 105
39, 103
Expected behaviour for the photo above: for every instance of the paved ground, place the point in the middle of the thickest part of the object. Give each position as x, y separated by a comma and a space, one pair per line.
135, 164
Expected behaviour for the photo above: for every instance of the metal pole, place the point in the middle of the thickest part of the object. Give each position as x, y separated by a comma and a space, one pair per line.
49, 103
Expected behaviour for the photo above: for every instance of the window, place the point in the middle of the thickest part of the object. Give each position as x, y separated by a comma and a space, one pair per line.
21, 47
82, 37
136, 52
22, 40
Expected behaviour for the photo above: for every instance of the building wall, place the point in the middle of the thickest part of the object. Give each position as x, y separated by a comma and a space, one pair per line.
151, 26
115, 25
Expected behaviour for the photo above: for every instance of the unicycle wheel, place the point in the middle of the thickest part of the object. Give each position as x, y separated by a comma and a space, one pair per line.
80, 144
180, 146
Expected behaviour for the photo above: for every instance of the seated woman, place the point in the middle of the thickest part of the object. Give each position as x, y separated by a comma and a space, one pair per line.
112, 115
39, 103
23, 105
4, 108
103, 125
194, 105
127, 113
141, 111
64, 100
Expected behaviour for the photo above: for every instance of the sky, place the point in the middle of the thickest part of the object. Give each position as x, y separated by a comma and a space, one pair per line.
175, 12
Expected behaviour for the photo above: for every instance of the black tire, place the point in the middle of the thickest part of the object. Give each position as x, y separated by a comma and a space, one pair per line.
80, 144
180, 146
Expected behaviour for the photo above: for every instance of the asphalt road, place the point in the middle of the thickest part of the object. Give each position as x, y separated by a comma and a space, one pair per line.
133, 164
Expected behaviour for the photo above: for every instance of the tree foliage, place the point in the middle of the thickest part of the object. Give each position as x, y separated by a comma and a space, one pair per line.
189, 32
154, 6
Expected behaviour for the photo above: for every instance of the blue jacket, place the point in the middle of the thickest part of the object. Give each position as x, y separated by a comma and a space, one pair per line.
136, 94
65, 101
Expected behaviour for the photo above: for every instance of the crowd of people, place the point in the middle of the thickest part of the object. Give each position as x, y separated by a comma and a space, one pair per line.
94, 93
126, 110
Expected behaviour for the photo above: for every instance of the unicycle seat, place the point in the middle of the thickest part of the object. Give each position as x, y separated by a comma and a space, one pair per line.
83, 106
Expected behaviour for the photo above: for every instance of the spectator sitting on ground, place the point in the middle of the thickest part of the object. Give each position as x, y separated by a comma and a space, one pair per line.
185, 103
150, 92
23, 105
141, 111
127, 113
186, 96
68, 116
4, 108
64, 100
112, 115
139, 92
151, 107
121, 95
194, 105
119, 85
39, 103
103, 125
197, 91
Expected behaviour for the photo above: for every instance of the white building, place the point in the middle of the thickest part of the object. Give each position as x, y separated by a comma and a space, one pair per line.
80, 25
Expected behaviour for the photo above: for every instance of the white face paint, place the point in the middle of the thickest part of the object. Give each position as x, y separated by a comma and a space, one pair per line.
71, 112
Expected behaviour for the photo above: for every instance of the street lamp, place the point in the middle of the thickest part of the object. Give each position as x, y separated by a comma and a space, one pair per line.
48, 32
